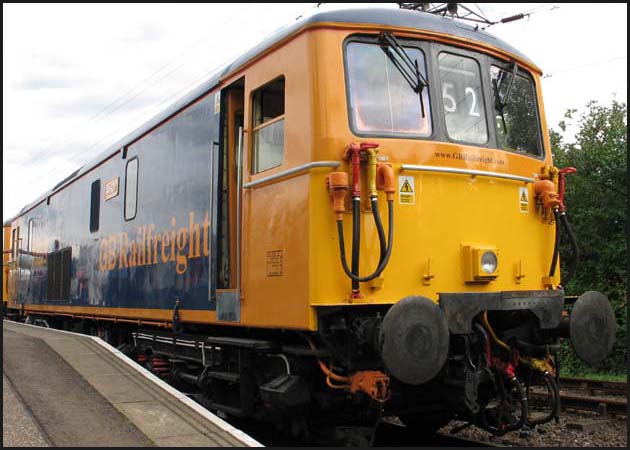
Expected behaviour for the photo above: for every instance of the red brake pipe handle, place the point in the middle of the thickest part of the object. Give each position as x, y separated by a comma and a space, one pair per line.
562, 184
353, 152
366, 145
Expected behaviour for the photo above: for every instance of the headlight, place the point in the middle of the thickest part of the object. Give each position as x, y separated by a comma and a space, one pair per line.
489, 262
481, 263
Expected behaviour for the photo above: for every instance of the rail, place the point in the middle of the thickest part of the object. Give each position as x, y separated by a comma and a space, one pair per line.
289, 172
592, 386
585, 403
480, 173
613, 403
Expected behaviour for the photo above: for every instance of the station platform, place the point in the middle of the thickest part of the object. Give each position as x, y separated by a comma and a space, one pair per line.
68, 389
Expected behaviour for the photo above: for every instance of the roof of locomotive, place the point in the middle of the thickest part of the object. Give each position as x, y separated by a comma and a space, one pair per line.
376, 16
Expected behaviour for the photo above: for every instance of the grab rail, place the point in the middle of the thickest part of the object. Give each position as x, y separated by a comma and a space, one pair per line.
480, 173
292, 171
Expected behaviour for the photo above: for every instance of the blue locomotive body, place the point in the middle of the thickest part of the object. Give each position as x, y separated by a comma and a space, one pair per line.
135, 231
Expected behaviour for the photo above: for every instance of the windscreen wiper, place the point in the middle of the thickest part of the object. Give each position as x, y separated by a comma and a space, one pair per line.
498, 104
501, 102
407, 67
504, 101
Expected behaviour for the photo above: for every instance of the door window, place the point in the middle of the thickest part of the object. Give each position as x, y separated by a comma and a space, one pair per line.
268, 115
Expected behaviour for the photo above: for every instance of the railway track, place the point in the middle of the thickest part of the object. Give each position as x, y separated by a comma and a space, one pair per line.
598, 404
595, 386
592, 395
601, 396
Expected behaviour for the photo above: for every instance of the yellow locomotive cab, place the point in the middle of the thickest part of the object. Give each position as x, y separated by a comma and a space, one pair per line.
361, 214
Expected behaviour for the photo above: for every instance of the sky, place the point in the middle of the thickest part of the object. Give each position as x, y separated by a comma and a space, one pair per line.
77, 77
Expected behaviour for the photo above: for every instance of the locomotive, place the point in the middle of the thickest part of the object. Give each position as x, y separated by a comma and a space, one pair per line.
210, 243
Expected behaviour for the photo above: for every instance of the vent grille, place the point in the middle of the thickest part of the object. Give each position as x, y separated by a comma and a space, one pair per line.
59, 265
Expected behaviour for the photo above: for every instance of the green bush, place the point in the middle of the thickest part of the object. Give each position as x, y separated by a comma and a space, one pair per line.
596, 199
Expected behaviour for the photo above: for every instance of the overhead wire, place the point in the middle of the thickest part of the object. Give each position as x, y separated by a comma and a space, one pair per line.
150, 110
147, 112
523, 14
45, 153
582, 66
188, 49
553, 7
483, 14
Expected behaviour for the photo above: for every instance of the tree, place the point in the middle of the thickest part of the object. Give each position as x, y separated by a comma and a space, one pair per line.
596, 200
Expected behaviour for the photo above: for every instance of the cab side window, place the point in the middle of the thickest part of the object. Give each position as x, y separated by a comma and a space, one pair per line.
29, 236
95, 205
268, 126
14, 242
131, 189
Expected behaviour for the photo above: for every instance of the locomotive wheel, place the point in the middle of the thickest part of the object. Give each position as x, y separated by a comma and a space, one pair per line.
592, 327
414, 340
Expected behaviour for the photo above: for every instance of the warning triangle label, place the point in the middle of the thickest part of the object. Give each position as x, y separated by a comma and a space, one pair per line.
524, 197
406, 187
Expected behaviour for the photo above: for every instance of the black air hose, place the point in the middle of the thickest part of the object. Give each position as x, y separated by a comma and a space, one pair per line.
574, 248
383, 262
356, 242
549, 383
562, 217
523, 403
379, 228
499, 429
556, 245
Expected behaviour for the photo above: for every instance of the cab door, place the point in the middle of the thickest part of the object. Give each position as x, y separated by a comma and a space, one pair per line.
13, 272
228, 200
6, 256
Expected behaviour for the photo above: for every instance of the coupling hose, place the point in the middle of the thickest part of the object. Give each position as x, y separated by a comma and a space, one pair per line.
574, 247
556, 244
379, 228
388, 252
561, 216
356, 241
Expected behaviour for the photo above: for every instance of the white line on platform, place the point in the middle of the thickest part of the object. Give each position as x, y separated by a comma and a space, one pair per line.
222, 424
